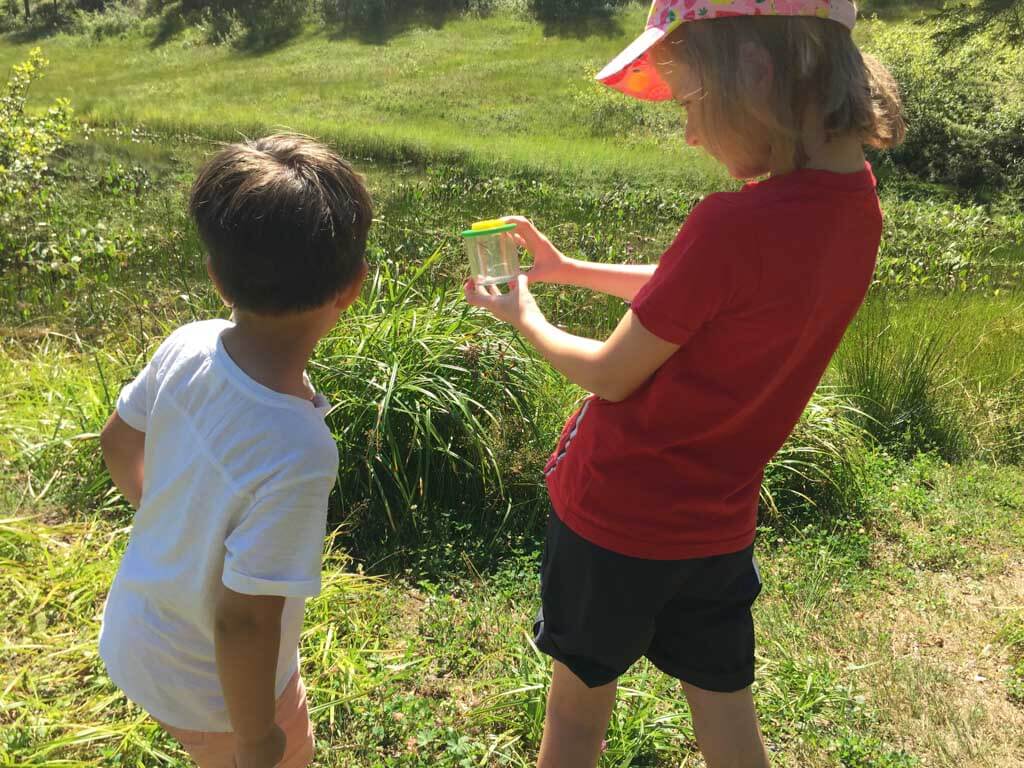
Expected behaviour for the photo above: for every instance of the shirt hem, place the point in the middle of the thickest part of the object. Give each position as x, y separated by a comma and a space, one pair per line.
250, 585
133, 418
646, 550
208, 726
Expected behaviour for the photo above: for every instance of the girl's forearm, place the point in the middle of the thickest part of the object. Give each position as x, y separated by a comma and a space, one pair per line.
575, 357
622, 280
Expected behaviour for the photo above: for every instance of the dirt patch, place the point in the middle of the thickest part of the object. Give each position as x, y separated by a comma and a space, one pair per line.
938, 673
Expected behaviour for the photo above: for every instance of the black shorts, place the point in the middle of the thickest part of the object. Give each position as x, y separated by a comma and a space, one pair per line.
601, 611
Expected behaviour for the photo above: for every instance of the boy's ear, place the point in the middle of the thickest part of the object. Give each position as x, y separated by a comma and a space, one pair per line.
216, 283
347, 296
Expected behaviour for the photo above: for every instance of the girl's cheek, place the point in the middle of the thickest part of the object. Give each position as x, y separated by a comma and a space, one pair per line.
692, 134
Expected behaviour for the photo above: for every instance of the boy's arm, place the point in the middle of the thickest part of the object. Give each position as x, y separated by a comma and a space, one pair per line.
123, 451
247, 639
551, 266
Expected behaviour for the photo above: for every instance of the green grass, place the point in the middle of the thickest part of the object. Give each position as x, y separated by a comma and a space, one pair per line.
884, 562
456, 412
440, 673
939, 373
496, 92
429, 664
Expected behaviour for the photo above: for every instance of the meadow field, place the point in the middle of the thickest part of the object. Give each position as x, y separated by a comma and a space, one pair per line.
890, 631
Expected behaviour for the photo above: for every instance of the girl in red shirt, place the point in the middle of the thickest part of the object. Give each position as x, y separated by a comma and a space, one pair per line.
654, 483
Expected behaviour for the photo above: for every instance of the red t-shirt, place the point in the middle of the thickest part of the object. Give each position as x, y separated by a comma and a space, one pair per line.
757, 289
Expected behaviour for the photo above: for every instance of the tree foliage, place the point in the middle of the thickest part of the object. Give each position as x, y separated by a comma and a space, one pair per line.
963, 20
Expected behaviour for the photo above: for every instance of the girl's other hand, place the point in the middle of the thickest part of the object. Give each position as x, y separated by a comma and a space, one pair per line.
516, 307
549, 264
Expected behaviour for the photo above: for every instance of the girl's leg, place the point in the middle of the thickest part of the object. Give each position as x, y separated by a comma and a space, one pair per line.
576, 722
727, 729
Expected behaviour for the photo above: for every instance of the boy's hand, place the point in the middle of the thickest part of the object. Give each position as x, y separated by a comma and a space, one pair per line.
265, 753
549, 264
516, 307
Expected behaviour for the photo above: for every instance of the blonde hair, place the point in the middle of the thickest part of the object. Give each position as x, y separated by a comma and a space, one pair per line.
816, 64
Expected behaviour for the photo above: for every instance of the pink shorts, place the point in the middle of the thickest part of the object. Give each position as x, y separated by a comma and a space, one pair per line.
217, 750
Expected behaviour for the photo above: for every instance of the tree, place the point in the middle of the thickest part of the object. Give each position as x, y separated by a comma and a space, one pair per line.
964, 19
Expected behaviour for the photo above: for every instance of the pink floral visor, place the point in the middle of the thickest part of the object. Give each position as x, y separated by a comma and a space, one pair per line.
633, 72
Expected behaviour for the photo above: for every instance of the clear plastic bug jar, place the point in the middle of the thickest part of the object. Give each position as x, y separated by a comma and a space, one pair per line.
493, 255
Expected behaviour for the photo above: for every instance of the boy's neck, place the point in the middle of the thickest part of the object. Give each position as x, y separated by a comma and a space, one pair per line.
274, 350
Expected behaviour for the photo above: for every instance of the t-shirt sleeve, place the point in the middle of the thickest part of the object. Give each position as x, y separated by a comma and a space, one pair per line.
277, 546
695, 278
133, 404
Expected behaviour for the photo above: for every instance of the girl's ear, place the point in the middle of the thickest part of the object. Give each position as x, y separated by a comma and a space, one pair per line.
756, 67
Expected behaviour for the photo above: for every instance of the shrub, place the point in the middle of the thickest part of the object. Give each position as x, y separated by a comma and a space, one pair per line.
381, 16
115, 20
248, 23
965, 108
26, 146
566, 10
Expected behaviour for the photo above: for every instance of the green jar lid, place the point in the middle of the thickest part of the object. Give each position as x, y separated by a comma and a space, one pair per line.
492, 227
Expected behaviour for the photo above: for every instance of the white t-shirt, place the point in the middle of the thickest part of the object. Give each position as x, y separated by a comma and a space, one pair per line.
235, 490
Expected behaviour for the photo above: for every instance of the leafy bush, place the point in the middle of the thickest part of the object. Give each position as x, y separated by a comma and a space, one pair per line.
964, 19
26, 146
964, 107
115, 20
248, 23
383, 15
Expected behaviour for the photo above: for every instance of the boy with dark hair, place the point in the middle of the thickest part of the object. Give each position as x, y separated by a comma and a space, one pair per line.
221, 446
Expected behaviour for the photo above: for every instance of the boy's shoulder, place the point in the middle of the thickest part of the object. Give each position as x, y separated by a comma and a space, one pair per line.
198, 339
200, 335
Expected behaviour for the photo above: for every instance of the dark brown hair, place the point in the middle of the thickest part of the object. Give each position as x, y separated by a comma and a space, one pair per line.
816, 64
284, 220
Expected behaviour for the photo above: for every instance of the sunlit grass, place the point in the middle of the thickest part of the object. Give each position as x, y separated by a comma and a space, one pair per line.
495, 91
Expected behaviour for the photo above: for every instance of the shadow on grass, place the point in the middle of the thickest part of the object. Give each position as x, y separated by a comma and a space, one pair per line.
258, 35
170, 25
31, 34
446, 545
601, 25
380, 31
897, 10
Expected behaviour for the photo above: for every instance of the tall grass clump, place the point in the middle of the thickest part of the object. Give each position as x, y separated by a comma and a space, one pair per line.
441, 417
901, 381
58, 393
815, 475
938, 373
